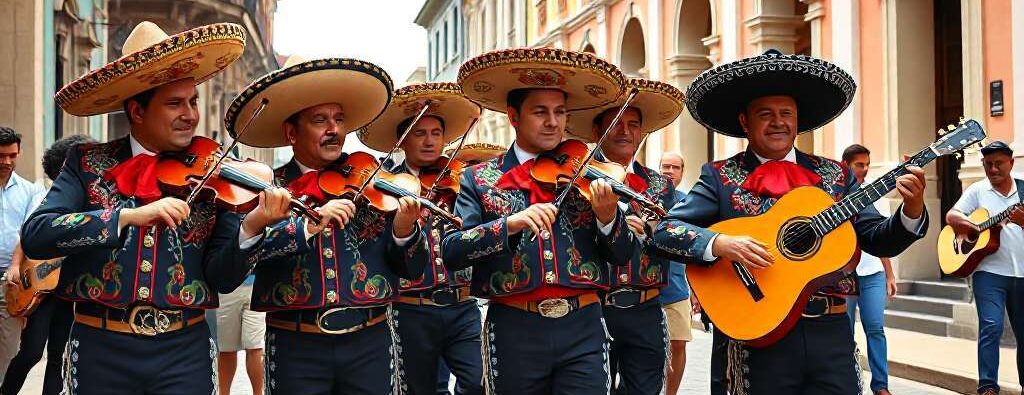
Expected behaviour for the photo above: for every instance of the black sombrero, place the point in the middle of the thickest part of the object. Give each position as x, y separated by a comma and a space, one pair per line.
821, 89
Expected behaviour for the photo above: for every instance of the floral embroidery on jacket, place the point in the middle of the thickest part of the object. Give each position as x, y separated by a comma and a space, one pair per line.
179, 293
506, 282
365, 287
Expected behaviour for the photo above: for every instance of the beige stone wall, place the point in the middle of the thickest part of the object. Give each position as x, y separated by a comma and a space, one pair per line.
21, 83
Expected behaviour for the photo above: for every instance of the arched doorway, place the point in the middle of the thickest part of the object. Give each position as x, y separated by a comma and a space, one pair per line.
633, 53
694, 29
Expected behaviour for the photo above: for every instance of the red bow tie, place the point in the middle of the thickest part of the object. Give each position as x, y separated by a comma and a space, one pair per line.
136, 177
307, 185
519, 178
636, 183
775, 178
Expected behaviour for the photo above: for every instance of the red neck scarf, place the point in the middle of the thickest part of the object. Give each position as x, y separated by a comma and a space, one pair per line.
776, 177
519, 178
307, 185
136, 177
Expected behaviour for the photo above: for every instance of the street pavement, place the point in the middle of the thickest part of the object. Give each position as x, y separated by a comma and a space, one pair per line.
695, 380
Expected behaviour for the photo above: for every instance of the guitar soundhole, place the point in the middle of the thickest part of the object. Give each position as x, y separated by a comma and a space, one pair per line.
797, 239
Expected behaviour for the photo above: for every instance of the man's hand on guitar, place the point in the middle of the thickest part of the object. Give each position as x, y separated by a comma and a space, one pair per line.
1017, 216
743, 249
537, 217
961, 224
911, 188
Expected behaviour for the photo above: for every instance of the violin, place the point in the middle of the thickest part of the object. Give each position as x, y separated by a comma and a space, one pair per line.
349, 177
234, 186
443, 176
560, 164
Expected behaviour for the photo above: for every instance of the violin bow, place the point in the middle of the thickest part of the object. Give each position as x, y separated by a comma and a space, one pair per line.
226, 152
590, 156
362, 189
462, 140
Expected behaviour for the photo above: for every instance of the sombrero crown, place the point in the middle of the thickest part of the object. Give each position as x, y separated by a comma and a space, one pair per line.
587, 80
821, 90
361, 88
476, 152
659, 104
152, 58
446, 102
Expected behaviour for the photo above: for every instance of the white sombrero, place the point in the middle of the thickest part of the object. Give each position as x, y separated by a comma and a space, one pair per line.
152, 58
587, 80
477, 152
361, 88
659, 104
447, 103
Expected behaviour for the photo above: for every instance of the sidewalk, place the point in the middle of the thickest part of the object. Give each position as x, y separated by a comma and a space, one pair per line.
946, 362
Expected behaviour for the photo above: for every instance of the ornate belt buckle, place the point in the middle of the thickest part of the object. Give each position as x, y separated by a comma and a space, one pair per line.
444, 297
553, 308
321, 320
613, 298
150, 321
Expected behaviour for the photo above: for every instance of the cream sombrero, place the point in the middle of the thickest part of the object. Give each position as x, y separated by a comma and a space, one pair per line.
447, 103
477, 152
587, 80
152, 58
361, 88
659, 104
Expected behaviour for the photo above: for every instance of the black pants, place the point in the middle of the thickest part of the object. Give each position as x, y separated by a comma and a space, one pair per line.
638, 348
429, 334
815, 358
51, 322
528, 354
357, 363
112, 363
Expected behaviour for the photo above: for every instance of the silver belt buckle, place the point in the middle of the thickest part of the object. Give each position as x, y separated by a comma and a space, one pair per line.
320, 321
610, 299
150, 321
553, 308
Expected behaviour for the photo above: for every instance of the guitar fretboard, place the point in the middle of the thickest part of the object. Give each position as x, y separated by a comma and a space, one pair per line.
848, 207
998, 217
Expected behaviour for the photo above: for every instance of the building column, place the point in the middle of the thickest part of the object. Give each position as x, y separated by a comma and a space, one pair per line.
846, 54
685, 134
21, 79
652, 34
814, 141
773, 31
974, 83
1017, 84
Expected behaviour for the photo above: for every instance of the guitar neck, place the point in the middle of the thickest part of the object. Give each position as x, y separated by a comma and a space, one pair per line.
868, 194
999, 217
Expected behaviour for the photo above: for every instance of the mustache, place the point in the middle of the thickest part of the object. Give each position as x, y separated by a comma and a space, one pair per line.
182, 125
331, 140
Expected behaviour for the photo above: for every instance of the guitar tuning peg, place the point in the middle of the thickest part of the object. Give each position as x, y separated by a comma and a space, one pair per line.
950, 127
941, 132
959, 156
963, 120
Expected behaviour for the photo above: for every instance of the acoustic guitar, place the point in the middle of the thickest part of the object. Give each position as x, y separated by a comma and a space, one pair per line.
38, 279
811, 238
959, 255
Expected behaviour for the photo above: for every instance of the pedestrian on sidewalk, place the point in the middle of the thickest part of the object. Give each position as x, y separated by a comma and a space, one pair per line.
50, 323
676, 295
18, 197
875, 282
998, 282
240, 328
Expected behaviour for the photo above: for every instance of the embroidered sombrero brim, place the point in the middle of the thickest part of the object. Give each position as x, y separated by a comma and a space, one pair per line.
587, 80
821, 89
361, 88
477, 152
659, 104
152, 59
447, 103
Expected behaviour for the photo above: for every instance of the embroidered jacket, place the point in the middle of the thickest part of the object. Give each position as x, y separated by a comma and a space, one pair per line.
147, 265
645, 270
355, 266
576, 255
717, 196
437, 273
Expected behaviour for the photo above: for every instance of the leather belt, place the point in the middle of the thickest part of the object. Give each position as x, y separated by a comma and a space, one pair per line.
554, 307
140, 320
441, 297
624, 298
331, 321
819, 306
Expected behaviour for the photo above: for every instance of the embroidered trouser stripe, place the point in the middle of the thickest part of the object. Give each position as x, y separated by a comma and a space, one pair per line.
638, 347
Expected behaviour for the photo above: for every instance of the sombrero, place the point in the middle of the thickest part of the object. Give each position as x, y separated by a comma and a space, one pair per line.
587, 80
821, 89
152, 58
659, 104
477, 152
361, 88
447, 103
